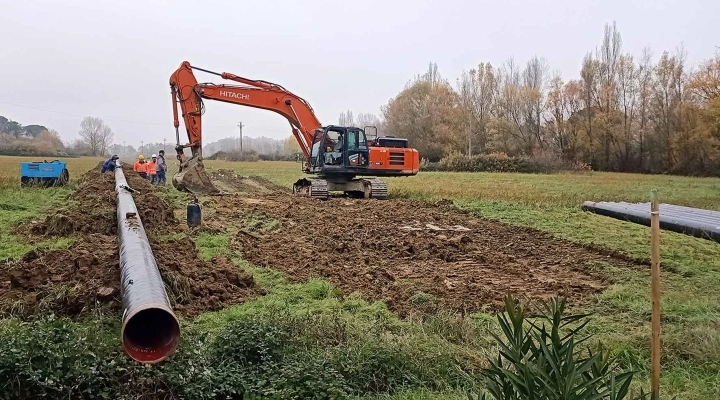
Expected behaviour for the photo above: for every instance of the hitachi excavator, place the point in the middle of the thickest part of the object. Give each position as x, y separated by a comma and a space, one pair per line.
335, 156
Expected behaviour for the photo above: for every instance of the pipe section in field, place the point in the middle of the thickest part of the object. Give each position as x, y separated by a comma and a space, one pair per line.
150, 331
690, 221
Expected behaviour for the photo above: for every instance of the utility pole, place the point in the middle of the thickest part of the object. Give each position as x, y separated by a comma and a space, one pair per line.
141, 146
124, 148
164, 140
240, 125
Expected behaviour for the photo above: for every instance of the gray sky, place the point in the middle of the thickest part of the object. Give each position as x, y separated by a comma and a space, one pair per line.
113, 59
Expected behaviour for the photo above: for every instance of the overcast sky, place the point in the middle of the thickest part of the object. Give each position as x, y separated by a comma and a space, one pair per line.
62, 60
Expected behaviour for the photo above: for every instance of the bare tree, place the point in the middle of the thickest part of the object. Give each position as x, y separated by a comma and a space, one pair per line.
367, 119
627, 96
96, 135
645, 81
534, 79
478, 90
346, 118
432, 75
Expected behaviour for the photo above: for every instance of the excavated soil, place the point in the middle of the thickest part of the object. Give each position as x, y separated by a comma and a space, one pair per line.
73, 282
92, 208
228, 181
413, 255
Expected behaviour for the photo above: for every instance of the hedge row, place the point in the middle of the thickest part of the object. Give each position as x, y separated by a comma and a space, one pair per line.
499, 162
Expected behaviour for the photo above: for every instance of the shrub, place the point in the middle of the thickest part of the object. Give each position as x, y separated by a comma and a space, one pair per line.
501, 162
235, 155
283, 355
539, 358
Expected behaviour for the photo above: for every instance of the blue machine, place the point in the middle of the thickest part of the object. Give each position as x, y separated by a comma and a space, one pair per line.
44, 173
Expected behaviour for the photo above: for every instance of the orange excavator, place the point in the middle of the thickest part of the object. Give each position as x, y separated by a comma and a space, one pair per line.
339, 158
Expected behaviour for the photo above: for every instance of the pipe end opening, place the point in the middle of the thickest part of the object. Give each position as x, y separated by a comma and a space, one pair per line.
151, 335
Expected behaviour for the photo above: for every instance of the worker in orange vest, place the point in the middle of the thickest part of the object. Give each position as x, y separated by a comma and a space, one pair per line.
141, 166
151, 169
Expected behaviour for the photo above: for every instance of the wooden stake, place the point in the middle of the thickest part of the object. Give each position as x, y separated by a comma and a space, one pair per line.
655, 273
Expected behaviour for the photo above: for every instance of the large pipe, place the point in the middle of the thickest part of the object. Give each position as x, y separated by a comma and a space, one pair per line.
150, 331
690, 221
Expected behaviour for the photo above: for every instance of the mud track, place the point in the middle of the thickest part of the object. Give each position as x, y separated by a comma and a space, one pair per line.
75, 281
413, 255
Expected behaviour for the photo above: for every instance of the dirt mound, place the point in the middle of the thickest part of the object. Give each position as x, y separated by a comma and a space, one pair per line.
228, 181
410, 252
91, 207
71, 282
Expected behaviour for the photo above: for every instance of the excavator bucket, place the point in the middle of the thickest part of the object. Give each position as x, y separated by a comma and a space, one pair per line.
193, 178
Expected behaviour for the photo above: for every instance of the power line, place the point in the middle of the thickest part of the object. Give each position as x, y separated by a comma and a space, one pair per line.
80, 115
256, 129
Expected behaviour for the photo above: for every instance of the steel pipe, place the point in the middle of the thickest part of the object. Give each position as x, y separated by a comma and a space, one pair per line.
150, 331
690, 221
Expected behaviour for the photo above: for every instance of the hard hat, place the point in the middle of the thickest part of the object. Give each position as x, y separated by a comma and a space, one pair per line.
115, 157
154, 156
141, 157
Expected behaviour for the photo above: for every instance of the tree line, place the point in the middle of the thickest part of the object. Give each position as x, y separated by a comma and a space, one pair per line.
19, 139
622, 113
94, 139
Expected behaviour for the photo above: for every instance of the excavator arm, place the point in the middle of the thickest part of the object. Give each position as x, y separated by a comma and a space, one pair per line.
189, 94
385, 156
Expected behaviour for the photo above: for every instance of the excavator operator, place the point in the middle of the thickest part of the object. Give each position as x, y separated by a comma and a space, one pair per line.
337, 150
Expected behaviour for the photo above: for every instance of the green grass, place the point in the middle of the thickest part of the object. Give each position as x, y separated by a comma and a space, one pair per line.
691, 267
18, 204
22, 204
551, 203
210, 245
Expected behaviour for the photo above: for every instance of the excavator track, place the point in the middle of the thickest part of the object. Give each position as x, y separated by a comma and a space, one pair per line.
378, 189
313, 188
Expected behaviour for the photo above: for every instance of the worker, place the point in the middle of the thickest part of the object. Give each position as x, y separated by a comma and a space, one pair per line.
109, 165
337, 150
141, 166
160, 167
151, 168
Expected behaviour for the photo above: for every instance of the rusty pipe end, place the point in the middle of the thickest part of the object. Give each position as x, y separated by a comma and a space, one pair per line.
150, 333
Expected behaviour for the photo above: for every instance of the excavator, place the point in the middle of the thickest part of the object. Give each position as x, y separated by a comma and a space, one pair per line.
338, 158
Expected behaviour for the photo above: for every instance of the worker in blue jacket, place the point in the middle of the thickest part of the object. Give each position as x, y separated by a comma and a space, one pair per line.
109, 165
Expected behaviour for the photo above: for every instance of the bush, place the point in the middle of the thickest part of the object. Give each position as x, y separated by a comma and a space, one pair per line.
61, 359
500, 162
283, 355
235, 155
539, 358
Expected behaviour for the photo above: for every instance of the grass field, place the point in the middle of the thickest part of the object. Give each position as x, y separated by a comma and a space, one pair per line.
691, 266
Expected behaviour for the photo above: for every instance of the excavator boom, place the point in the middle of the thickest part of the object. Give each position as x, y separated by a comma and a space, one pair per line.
306, 128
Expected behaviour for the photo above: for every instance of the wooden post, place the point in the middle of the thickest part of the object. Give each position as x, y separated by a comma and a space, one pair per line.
655, 273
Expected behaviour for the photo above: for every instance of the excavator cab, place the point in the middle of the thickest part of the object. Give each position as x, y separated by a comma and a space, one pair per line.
339, 150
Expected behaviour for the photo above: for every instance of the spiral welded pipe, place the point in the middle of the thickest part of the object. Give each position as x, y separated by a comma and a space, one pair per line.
150, 331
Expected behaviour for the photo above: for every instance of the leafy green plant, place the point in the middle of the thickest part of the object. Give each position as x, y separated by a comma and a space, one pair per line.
540, 358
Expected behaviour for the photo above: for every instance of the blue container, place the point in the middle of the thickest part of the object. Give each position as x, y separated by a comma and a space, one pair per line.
44, 173
194, 215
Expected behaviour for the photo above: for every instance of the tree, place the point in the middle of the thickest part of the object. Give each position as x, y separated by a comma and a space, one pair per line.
427, 113
96, 135
11, 127
477, 89
346, 118
33, 130
291, 145
367, 119
705, 83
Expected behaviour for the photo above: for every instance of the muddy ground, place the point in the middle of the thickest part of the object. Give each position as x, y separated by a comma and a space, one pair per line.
413, 255
86, 276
